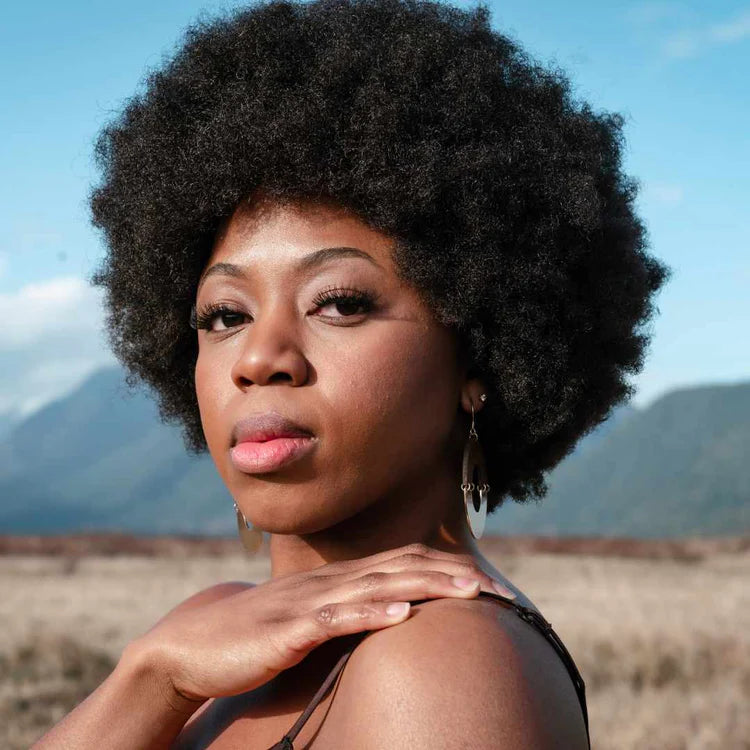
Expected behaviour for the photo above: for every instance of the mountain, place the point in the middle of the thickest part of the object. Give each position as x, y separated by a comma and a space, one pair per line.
8, 420
678, 467
100, 459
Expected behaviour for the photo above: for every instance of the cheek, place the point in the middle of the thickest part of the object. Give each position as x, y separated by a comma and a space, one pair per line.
208, 393
385, 402
396, 395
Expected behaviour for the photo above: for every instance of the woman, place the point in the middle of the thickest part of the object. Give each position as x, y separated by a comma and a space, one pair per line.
387, 271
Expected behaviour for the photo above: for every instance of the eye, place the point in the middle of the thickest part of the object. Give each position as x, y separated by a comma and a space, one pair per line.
350, 303
205, 317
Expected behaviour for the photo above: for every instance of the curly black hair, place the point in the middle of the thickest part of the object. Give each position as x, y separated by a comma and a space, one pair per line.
504, 194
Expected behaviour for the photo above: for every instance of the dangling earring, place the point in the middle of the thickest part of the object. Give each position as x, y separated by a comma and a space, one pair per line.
473, 463
250, 537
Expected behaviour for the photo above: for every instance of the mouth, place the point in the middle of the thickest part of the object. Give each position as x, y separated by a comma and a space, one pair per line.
261, 457
267, 441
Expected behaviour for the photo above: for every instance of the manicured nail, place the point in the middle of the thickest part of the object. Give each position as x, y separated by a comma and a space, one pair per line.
465, 583
397, 609
502, 590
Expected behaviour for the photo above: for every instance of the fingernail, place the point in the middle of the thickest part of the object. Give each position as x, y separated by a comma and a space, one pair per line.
465, 583
397, 609
503, 590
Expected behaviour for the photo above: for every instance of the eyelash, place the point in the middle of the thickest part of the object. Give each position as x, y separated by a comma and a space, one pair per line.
204, 318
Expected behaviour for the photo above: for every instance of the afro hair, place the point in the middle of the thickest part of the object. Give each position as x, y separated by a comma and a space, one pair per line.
504, 196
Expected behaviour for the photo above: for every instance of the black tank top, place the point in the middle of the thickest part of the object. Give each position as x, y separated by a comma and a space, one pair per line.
525, 613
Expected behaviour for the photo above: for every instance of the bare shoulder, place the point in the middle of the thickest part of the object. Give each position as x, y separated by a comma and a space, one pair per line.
458, 673
211, 594
205, 596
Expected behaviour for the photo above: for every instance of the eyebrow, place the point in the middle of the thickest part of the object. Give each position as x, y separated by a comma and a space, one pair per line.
304, 265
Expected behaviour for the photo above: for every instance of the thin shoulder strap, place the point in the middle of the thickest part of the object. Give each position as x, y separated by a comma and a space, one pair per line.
545, 628
525, 613
285, 743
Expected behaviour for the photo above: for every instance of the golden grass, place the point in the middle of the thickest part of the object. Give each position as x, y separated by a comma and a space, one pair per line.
663, 642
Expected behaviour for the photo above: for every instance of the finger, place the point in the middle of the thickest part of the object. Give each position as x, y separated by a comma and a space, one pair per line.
466, 568
378, 586
334, 619
453, 565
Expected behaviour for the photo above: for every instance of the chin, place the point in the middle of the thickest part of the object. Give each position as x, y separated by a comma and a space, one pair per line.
294, 510
283, 510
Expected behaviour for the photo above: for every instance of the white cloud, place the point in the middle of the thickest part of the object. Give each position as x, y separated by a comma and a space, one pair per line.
683, 44
691, 42
664, 192
654, 13
734, 30
51, 339
40, 309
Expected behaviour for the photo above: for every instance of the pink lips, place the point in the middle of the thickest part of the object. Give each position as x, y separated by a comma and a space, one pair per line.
270, 455
266, 441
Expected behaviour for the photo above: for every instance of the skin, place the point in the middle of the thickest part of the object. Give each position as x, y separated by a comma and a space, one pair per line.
385, 393
388, 397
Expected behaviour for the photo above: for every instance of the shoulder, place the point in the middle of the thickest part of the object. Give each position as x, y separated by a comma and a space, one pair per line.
211, 594
458, 673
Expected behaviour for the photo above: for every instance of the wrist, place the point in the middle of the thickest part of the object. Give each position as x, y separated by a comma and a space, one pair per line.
133, 707
143, 669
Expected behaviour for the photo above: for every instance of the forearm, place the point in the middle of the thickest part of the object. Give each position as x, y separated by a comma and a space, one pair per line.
132, 708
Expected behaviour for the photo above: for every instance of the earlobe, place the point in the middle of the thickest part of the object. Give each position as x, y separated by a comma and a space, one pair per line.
473, 394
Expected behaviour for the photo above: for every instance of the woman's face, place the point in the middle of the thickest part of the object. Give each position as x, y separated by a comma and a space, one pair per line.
377, 383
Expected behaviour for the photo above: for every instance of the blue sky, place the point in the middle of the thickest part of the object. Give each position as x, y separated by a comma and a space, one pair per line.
678, 71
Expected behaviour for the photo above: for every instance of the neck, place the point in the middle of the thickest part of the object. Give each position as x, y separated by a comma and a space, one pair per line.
433, 516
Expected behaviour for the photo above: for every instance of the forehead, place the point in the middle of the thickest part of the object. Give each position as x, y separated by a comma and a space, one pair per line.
266, 233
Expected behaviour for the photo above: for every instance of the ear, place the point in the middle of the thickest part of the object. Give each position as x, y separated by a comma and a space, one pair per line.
471, 394
472, 386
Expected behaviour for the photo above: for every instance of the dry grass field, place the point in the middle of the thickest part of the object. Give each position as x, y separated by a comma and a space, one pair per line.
660, 631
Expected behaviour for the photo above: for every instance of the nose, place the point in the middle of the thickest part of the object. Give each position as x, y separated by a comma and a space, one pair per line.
270, 352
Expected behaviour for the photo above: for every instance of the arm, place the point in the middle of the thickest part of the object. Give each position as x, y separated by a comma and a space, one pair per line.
133, 707
458, 674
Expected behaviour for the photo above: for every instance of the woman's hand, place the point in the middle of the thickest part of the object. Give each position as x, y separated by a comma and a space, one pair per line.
245, 639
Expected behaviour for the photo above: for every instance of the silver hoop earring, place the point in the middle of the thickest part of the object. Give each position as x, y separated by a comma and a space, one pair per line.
474, 468
250, 537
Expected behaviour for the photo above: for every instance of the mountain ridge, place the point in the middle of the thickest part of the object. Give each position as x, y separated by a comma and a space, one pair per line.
101, 459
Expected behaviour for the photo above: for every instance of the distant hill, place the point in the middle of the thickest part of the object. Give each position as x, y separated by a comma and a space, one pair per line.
678, 467
100, 459
8, 420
